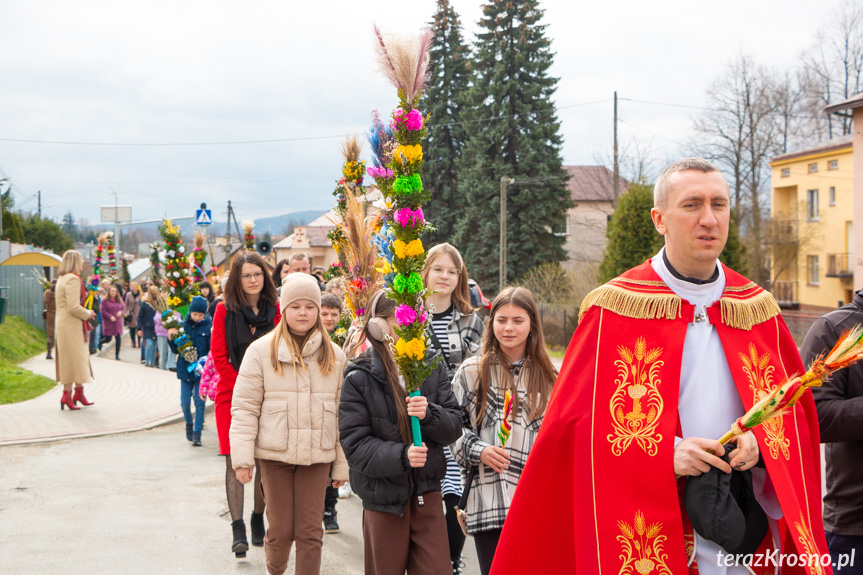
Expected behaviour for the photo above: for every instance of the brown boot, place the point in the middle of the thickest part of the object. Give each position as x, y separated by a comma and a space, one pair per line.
79, 396
50, 346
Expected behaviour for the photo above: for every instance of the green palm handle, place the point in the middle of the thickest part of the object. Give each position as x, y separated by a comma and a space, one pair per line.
415, 425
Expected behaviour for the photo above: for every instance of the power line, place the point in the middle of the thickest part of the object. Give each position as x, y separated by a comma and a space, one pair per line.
266, 141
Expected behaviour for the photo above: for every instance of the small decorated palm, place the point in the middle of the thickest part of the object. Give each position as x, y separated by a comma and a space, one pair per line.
847, 351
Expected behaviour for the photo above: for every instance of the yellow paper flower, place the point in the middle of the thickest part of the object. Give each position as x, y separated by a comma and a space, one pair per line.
412, 249
414, 348
384, 268
408, 154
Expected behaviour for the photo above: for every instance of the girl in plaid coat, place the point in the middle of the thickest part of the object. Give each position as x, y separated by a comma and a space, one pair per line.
514, 358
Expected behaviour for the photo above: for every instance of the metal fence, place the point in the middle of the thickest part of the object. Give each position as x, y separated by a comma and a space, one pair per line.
24, 293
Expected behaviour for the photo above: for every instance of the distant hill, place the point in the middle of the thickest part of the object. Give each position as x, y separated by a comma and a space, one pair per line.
276, 225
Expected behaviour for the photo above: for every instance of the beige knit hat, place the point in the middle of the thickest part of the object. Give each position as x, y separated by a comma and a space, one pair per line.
297, 286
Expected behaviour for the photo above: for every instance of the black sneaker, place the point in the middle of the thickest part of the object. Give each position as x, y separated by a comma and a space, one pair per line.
330, 523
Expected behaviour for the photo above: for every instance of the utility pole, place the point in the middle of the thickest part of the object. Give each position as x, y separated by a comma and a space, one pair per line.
504, 181
616, 167
39, 204
228, 246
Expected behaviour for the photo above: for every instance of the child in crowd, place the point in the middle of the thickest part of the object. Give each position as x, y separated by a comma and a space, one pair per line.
331, 312
285, 415
403, 520
455, 331
514, 359
197, 326
147, 325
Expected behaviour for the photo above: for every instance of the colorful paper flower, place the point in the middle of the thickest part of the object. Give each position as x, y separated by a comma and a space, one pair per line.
412, 284
408, 218
408, 184
412, 249
414, 348
405, 315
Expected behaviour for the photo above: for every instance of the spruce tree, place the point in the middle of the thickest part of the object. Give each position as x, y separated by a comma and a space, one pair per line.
632, 237
443, 101
513, 132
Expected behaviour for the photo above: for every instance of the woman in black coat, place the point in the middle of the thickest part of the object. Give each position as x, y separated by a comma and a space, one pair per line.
403, 521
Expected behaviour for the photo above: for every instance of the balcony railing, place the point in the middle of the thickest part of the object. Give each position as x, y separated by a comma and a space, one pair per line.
785, 294
840, 265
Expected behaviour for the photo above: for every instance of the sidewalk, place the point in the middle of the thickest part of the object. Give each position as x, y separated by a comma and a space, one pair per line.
127, 397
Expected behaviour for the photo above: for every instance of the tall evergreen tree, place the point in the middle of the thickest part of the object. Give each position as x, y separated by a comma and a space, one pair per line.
68, 224
632, 237
514, 133
444, 100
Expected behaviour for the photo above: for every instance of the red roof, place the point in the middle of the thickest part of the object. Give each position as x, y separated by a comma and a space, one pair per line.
593, 184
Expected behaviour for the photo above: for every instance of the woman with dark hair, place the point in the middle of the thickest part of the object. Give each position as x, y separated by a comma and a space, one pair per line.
133, 305
113, 309
283, 268
514, 360
207, 292
248, 311
400, 484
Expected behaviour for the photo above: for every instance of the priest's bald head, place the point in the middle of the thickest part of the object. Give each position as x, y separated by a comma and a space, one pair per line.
691, 208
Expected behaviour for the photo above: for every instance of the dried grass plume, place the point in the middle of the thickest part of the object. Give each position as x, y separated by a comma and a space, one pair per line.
404, 60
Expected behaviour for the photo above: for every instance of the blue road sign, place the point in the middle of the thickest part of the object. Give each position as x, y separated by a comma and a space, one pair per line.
203, 217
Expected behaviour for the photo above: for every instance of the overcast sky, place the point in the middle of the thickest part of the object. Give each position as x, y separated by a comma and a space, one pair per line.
160, 72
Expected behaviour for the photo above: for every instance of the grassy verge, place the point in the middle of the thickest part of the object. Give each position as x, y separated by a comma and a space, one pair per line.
556, 351
19, 341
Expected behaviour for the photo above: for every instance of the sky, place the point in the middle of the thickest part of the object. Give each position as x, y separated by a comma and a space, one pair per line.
215, 72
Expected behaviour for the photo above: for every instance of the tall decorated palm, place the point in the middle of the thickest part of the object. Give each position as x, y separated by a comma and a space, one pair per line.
404, 62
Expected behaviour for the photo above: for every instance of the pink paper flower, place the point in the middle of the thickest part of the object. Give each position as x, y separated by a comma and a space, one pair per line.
405, 315
380, 172
408, 218
414, 120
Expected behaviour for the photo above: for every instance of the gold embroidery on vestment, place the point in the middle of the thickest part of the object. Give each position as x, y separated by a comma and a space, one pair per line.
641, 547
636, 404
760, 373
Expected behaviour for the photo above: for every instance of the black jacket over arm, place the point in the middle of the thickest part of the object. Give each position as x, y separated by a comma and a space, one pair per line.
839, 402
370, 436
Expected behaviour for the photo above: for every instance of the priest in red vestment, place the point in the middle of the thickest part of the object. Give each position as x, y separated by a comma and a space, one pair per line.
666, 357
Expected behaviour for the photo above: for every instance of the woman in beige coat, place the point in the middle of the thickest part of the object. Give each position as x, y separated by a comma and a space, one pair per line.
71, 331
285, 414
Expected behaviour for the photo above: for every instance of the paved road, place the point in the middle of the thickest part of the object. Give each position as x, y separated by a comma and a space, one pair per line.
139, 502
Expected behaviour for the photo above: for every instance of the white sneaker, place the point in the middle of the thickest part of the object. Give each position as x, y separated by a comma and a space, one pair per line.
345, 491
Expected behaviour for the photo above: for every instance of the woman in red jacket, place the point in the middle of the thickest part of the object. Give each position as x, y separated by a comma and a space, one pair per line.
250, 309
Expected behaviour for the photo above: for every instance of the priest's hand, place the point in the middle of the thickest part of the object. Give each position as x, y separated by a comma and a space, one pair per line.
747, 453
694, 456
495, 457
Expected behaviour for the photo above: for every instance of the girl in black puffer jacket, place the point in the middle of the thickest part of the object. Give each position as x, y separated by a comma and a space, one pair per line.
403, 521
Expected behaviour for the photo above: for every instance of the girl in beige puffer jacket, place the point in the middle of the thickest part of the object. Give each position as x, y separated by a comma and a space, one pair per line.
285, 414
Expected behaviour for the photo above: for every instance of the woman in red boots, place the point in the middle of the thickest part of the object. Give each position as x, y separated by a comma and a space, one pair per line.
71, 331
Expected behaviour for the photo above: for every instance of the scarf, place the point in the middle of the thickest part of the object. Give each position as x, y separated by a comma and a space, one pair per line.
238, 329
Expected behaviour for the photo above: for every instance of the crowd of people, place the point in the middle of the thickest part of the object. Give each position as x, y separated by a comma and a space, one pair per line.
612, 463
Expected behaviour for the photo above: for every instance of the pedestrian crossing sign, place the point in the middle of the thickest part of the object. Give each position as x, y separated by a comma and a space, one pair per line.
203, 217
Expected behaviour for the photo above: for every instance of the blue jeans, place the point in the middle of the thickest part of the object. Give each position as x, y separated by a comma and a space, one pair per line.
150, 352
188, 392
846, 545
167, 358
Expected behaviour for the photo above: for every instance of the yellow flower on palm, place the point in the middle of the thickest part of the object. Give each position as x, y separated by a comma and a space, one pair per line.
384, 268
414, 348
409, 250
408, 154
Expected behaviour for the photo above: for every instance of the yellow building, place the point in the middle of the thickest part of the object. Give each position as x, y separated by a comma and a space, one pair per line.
812, 231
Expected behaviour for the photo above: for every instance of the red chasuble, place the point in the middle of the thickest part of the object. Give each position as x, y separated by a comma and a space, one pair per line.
598, 494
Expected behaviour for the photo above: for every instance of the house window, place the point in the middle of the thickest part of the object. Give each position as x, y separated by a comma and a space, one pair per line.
786, 172
812, 205
832, 195
833, 165
813, 168
813, 269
